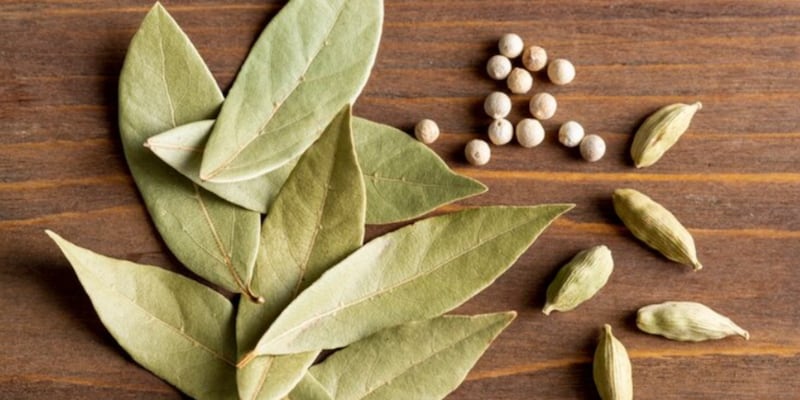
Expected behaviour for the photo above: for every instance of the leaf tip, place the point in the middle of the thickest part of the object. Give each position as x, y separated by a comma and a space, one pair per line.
511, 315
479, 187
745, 334
56, 237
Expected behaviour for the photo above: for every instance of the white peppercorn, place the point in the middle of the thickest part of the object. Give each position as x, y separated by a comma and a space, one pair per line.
498, 67
426, 131
510, 45
561, 71
497, 105
530, 132
570, 134
593, 148
534, 58
501, 131
520, 81
543, 106
478, 152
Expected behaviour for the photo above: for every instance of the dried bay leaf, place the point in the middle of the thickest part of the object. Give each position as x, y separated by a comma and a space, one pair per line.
313, 58
419, 360
182, 148
416, 272
175, 327
316, 221
403, 177
164, 84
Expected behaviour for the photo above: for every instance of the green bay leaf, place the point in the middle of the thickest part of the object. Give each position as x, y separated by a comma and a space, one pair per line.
416, 272
175, 327
312, 59
419, 360
316, 221
404, 178
164, 84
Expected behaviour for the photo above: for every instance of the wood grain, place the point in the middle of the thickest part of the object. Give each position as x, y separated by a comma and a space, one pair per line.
734, 180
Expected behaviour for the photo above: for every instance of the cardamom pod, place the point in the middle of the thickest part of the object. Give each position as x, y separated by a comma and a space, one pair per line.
656, 226
612, 368
686, 321
579, 280
660, 131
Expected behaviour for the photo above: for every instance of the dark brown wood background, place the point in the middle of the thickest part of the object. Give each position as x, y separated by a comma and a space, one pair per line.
734, 180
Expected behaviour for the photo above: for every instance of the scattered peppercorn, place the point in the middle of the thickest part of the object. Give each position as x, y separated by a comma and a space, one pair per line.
530, 132
478, 152
534, 58
561, 71
497, 105
426, 131
543, 106
520, 81
501, 131
570, 134
593, 148
498, 67
510, 45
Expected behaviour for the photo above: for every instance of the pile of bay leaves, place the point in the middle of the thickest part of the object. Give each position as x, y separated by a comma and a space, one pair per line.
283, 143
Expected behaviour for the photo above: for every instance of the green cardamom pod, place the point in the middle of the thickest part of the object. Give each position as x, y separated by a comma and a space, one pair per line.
579, 280
686, 321
612, 368
656, 226
661, 131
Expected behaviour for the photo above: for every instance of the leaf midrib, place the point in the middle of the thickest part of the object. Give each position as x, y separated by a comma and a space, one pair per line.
262, 379
164, 69
227, 261
380, 293
417, 363
178, 331
300, 79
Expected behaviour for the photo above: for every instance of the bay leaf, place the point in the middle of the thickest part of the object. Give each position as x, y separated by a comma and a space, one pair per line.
182, 148
416, 272
164, 84
404, 178
175, 327
309, 388
316, 220
312, 59
419, 360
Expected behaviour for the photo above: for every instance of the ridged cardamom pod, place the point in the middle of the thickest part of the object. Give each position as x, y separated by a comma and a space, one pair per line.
686, 321
612, 368
661, 131
656, 226
579, 280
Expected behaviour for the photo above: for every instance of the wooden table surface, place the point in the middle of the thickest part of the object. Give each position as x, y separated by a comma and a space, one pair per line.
734, 180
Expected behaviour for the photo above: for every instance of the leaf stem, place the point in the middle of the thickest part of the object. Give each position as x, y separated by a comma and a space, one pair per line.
246, 359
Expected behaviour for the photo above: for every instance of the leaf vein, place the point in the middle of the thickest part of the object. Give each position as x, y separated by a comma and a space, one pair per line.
373, 295
163, 74
298, 81
155, 317
421, 361
262, 379
220, 246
